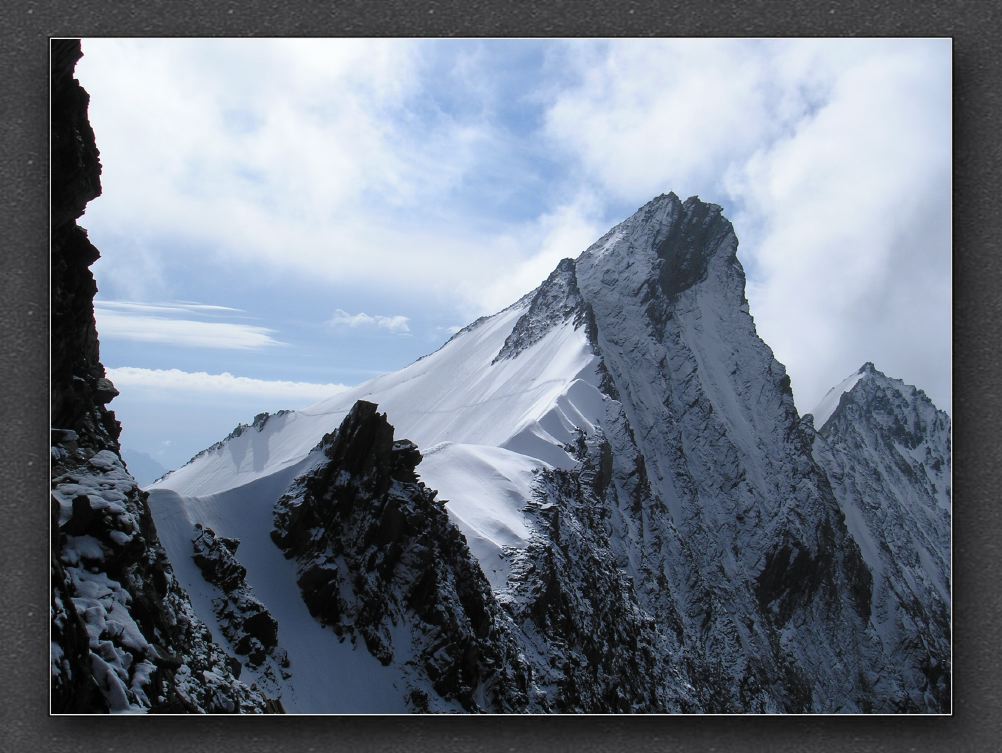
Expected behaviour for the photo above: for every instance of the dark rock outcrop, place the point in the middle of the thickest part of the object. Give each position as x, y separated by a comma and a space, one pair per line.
380, 562
554, 302
124, 635
246, 623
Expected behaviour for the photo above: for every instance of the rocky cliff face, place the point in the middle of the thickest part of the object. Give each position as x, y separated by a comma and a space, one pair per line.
886, 449
244, 620
592, 643
710, 500
124, 635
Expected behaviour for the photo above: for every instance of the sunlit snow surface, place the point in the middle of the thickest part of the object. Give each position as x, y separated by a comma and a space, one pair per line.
454, 395
485, 430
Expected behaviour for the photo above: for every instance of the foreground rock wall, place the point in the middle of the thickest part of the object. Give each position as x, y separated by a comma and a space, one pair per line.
124, 636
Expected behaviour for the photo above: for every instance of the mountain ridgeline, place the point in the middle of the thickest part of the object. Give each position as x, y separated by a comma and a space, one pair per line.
658, 528
600, 499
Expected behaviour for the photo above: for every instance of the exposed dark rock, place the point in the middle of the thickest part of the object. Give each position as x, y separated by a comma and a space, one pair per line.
104, 391
244, 620
377, 550
555, 301
691, 241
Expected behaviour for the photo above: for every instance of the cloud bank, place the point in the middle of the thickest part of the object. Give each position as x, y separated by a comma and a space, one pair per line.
199, 384
831, 157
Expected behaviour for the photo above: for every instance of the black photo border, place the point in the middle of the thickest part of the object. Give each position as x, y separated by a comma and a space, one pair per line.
977, 304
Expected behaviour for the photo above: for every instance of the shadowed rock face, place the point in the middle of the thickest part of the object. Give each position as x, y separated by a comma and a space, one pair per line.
692, 239
378, 555
76, 170
712, 498
706, 490
124, 635
886, 449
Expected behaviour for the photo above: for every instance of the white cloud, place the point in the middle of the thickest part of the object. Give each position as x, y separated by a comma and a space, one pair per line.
197, 383
853, 255
113, 323
564, 232
831, 157
648, 115
396, 323
286, 155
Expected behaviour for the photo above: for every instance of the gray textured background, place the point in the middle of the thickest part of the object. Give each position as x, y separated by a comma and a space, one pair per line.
26, 27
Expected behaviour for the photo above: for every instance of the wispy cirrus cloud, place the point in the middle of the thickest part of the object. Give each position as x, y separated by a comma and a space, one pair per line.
396, 323
171, 307
201, 382
171, 324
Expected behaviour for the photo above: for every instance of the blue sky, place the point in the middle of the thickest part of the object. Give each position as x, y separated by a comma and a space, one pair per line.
280, 217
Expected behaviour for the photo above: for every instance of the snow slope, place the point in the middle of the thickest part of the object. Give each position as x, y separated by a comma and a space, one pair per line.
485, 428
486, 489
453, 395
320, 664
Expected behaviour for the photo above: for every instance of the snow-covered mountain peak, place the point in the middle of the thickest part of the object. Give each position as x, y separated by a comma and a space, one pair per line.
886, 450
660, 225
900, 414
605, 502
665, 248
827, 405
622, 455
823, 411
901, 409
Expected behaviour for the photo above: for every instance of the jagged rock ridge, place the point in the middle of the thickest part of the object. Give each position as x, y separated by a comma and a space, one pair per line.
247, 624
377, 557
